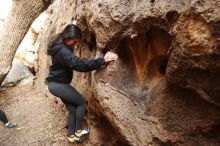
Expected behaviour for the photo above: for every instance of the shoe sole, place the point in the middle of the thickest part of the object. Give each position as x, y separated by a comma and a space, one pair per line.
82, 137
75, 141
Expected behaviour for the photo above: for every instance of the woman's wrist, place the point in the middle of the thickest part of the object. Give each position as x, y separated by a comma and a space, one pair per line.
102, 60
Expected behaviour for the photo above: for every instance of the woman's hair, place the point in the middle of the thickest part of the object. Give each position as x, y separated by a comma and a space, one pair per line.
71, 31
54, 40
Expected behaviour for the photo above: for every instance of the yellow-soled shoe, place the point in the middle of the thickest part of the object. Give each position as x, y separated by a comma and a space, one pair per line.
82, 132
74, 139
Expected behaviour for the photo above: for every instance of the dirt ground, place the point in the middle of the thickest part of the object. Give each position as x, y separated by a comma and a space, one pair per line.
40, 119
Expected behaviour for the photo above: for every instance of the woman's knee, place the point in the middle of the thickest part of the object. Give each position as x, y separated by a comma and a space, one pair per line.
84, 103
54, 88
71, 108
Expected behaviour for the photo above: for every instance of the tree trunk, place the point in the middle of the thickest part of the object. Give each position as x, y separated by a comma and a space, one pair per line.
16, 25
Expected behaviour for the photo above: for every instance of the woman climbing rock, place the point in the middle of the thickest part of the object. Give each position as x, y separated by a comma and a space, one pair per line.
4, 119
64, 61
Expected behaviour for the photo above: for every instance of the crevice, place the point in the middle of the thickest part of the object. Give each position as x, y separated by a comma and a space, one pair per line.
89, 37
102, 128
161, 143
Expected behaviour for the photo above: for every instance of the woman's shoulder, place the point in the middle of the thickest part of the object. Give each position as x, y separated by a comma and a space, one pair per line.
65, 50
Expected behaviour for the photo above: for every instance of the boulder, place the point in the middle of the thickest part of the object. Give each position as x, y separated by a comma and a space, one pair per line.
164, 88
19, 74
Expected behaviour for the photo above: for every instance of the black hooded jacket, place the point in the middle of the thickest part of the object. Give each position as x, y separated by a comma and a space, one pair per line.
64, 61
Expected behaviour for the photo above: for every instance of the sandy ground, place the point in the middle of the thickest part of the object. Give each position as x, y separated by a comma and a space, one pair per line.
40, 119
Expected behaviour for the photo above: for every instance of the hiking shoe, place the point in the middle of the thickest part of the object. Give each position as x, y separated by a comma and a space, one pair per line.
82, 132
74, 139
11, 125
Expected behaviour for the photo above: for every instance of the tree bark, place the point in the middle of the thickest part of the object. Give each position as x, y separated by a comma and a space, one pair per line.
16, 25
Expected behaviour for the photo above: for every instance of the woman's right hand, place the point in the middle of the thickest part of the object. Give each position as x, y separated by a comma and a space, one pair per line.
109, 56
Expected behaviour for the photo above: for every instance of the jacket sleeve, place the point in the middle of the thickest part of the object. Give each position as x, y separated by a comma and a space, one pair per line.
73, 62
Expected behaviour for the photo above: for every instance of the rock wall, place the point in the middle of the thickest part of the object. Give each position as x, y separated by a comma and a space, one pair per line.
164, 88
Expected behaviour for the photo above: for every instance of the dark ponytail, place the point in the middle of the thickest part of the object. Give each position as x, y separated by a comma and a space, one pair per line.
55, 39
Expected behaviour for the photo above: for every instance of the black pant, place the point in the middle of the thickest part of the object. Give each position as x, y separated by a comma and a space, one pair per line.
74, 102
3, 117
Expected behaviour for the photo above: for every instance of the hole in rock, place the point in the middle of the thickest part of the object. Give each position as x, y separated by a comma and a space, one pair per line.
146, 55
152, 1
90, 40
172, 16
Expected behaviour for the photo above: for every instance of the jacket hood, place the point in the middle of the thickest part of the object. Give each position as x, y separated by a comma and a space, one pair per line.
55, 45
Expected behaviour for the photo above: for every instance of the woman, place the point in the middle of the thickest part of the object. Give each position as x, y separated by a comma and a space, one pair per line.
64, 61
4, 119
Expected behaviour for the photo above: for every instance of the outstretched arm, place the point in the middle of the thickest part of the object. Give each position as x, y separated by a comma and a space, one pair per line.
83, 65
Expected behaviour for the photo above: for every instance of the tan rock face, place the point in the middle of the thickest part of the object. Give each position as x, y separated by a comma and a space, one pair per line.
164, 88
194, 61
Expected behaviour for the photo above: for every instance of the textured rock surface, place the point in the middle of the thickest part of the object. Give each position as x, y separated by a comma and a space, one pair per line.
195, 59
164, 88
